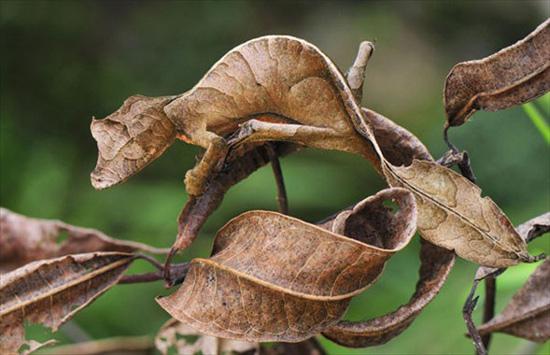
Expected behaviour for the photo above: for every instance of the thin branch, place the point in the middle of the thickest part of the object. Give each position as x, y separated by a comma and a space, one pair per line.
282, 199
489, 306
462, 160
467, 310
167, 266
466, 168
177, 271
151, 260
140, 278
451, 146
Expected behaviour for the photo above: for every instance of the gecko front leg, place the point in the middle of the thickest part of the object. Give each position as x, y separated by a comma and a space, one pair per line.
210, 163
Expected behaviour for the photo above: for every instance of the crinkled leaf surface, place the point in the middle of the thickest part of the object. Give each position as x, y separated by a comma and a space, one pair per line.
528, 231
130, 138
527, 315
452, 214
275, 278
535, 227
436, 264
24, 239
50, 292
510, 77
398, 145
177, 335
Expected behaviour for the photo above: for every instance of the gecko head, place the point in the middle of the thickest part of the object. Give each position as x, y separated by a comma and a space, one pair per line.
130, 138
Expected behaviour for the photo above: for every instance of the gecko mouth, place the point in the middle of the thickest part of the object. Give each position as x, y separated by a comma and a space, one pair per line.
101, 180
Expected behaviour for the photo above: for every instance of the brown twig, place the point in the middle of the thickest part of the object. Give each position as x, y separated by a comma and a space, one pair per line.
151, 260
466, 168
467, 310
282, 199
489, 306
177, 271
451, 146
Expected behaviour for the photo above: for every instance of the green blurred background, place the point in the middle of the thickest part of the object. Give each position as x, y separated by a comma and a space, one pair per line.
64, 61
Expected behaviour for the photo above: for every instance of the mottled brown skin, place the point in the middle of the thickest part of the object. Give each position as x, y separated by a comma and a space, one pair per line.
303, 103
300, 104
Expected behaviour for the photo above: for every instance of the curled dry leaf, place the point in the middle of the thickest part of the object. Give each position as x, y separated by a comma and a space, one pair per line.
130, 138
453, 215
398, 145
275, 278
24, 239
510, 77
535, 227
177, 335
436, 264
527, 315
50, 292
528, 231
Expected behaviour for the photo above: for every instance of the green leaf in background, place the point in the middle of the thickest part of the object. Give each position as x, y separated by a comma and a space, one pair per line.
538, 118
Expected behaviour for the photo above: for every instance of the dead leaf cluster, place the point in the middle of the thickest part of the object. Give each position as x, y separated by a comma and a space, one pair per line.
273, 277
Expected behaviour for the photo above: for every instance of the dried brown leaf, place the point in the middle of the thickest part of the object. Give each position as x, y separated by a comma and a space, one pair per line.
24, 239
175, 334
512, 76
50, 292
535, 227
398, 145
528, 231
452, 214
275, 278
436, 264
130, 138
527, 315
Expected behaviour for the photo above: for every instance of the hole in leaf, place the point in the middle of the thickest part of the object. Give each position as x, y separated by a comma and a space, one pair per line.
391, 205
62, 237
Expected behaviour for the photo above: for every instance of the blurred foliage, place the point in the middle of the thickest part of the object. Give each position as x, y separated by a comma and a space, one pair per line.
64, 61
538, 118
